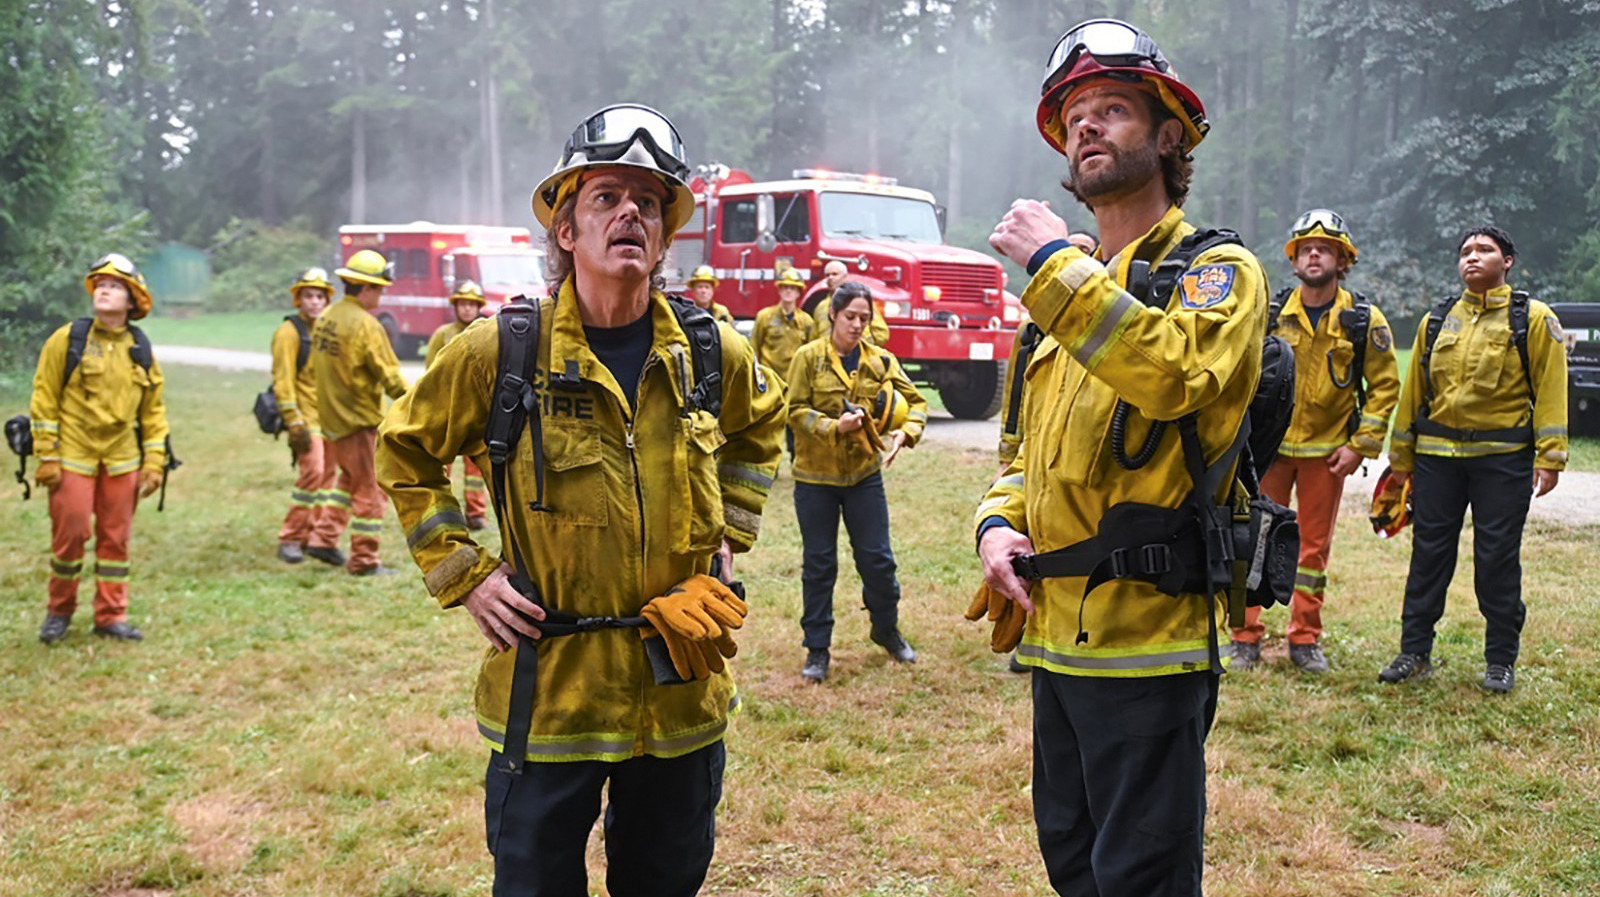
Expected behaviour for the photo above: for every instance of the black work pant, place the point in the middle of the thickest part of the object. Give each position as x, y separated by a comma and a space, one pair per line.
660, 824
865, 510
1119, 782
1497, 488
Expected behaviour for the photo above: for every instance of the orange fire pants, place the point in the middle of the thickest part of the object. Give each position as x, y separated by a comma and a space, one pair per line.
1318, 493
476, 493
310, 520
356, 496
106, 503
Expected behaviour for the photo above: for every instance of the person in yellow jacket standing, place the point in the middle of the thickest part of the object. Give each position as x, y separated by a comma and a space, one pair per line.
838, 462
833, 274
1482, 423
100, 433
355, 365
1346, 385
1125, 673
702, 287
467, 301
781, 329
614, 496
294, 382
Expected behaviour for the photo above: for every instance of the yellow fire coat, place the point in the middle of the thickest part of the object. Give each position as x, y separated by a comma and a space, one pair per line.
721, 312
1322, 408
97, 418
818, 388
438, 340
639, 502
296, 388
354, 366
1202, 353
1479, 383
776, 336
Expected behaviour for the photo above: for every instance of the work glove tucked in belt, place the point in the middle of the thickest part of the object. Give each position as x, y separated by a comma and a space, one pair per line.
1008, 617
695, 619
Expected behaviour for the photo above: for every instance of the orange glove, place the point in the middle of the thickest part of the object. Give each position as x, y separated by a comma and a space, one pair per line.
688, 658
695, 618
150, 481
48, 475
1008, 617
299, 439
870, 431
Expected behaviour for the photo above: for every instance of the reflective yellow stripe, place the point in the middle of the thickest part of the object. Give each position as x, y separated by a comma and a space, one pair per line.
474, 484
367, 525
64, 569
444, 520
300, 498
1154, 660
1090, 347
1308, 449
1548, 432
1434, 445
117, 470
749, 475
337, 497
610, 746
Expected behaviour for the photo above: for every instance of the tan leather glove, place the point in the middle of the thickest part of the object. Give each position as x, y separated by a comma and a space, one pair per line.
299, 439
869, 432
48, 475
688, 657
1008, 617
150, 481
696, 618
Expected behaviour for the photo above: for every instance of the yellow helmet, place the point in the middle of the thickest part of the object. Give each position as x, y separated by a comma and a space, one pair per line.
311, 277
1324, 224
121, 267
703, 274
628, 135
367, 266
791, 278
889, 409
469, 291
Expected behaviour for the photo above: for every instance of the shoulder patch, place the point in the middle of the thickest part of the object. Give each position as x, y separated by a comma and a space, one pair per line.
1207, 285
1382, 339
761, 378
1554, 326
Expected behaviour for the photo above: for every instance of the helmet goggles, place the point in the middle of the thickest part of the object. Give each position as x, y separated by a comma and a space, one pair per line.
117, 263
611, 133
1323, 223
1112, 43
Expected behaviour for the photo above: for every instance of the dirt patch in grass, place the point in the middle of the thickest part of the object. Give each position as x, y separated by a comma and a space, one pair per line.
219, 828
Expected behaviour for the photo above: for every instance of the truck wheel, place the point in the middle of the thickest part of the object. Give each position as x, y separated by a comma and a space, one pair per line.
973, 391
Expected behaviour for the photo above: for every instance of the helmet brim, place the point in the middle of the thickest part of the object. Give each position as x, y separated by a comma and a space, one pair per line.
1177, 97
679, 208
354, 276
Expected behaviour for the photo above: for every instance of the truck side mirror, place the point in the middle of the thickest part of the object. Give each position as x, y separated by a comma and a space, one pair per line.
943, 214
447, 271
766, 214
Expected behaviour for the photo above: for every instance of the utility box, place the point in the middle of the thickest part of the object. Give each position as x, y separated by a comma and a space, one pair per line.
178, 275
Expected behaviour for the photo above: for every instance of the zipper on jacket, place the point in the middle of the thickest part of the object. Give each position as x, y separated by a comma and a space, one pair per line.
633, 457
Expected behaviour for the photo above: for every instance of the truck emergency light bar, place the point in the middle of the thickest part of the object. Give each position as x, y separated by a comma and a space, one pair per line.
823, 174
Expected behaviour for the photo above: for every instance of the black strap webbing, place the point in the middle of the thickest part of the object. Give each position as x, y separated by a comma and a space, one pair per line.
304, 329
142, 353
705, 351
1028, 339
1517, 313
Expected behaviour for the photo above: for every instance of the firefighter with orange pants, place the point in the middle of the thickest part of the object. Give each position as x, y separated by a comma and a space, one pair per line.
467, 301
702, 286
100, 433
355, 365
294, 383
1346, 385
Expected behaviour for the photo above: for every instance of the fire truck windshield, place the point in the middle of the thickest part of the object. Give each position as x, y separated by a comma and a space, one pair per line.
871, 217
511, 269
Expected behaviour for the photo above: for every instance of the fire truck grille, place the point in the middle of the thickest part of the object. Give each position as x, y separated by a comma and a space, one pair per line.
960, 283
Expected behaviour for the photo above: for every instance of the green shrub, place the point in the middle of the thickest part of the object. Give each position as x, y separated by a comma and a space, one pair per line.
254, 263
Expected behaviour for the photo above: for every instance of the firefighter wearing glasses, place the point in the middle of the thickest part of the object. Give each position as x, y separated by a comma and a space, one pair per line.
467, 301
311, 520
702, 286
100, 433
1125, 674
1482, 423
355, 365
614, 496
1346, 385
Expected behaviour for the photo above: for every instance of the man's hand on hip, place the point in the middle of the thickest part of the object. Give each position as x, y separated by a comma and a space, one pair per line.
1027, 225
501, 611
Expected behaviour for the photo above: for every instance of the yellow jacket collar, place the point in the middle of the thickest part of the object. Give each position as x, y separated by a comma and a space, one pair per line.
1166, 234
1294, 307
1495, 298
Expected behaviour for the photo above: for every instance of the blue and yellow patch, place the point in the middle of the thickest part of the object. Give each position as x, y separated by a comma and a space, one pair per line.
1207, 285
1554, 326
1382, 339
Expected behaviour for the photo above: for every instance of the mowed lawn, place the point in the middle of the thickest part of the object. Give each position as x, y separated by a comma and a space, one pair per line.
294, 731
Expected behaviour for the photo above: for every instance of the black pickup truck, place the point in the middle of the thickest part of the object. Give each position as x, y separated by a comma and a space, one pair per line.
1581, 321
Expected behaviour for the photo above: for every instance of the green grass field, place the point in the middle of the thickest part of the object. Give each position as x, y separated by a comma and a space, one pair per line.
293, 731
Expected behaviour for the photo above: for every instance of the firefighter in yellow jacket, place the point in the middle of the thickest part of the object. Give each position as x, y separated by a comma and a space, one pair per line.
702, 287
1346, 384
619, 490
1125, 674
782, 329
311, 522
833, 274
467, 301
355, 366
100, 433
839, 453
1482, 423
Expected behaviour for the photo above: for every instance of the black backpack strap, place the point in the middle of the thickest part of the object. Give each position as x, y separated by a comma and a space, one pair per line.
705, 351
1164, 276
1275, 307
1518, 318
77, 338
1434, 324
142, 353
304, 329
1028, 338
1357, 327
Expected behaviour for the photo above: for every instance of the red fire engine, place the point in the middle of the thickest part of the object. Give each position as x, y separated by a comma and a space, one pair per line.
431, 259
951, 320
